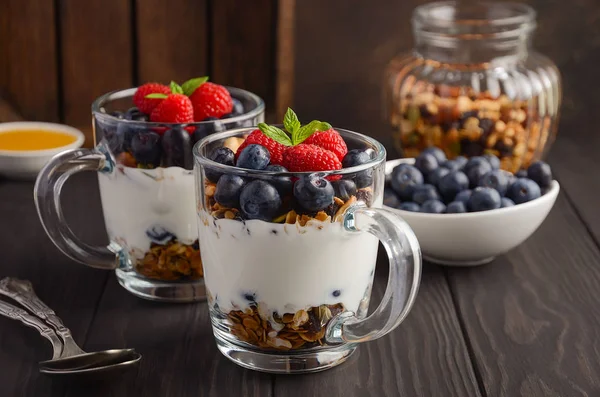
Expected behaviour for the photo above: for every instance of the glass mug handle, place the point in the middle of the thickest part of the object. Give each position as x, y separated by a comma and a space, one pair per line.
46, 194
404, 255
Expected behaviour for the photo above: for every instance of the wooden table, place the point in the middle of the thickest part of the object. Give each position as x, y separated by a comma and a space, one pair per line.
527, 324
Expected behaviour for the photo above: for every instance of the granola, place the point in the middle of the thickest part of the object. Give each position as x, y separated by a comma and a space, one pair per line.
171, 261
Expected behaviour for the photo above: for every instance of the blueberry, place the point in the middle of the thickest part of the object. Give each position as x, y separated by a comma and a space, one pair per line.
523, 190
121, 139
433, 207
177, 148
221, 155
423, 193
356, 157
238, 108
463, 196
426, 163
118, 114
453, 183
461, 161
404, 179
506, 202
475, 161
435, 177
456, 207
438, 153
313, 192
202, 131
510, 178
227, 116
159, 235
283, 184
228, 190
336, 293
211, 118
249, 296
259, 200
476, 172
146, 148
495, 179
254, 157
136, 114
344, 189
390, 199
409, 206
484, 199
521, 174
493, 160
540, 173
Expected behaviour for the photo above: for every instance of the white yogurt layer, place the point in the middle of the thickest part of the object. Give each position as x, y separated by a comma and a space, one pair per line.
136, 200
286, 266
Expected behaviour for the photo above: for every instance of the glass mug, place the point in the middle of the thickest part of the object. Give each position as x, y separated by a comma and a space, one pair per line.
147, 191
288, 289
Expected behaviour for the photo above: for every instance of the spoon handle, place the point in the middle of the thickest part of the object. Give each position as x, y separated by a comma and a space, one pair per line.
13, 312
22, 291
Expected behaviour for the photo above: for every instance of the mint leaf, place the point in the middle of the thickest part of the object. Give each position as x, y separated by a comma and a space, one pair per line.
291, 122
192, 84
176, 88
156, 95
307, 130
275, 134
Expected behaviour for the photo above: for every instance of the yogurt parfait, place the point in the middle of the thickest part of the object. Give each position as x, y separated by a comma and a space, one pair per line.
148, 194
274, 216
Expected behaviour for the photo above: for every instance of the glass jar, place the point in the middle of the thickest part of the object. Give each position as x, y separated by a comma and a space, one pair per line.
473, 85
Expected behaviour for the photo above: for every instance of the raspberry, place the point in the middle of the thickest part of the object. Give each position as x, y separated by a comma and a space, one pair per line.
176, 108
211, 100
257, 137
147, 105
330, 140
306, 157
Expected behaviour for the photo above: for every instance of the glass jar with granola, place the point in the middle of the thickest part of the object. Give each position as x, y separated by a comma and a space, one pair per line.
473, 85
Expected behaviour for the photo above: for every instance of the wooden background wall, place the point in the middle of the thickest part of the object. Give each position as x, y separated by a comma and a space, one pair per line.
324, 58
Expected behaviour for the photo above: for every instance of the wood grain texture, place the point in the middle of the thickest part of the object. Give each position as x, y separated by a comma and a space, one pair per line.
97, 54
424, 356
532, 316
284, 84
71, 289
28, 63
8, 112
172, 40
180, 357
243, 47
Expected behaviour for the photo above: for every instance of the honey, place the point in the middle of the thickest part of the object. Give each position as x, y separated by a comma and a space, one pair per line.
25, 140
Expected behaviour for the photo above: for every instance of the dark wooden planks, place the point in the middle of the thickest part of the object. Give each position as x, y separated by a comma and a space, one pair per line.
28, 74
172, 40
97, 54
286, 30
71, 289
532, 316
180, 357
243, 46
424, 356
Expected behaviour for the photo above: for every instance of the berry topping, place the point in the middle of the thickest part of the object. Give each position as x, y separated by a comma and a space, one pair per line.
433, 207
452, 184
456, 207
305, 157
228, 190
254, 157
330, 140
147, 105
404, 180
135, 114
210, 100
313, 193
177, 148
484, 199
283, 184
175, 108
146, 149
358, 157
257, 137
221, 155
540, 173
410, 206
345, 188
523, 190
259, 200
423, 193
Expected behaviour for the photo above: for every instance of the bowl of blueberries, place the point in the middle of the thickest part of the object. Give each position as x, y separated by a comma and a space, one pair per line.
465, 212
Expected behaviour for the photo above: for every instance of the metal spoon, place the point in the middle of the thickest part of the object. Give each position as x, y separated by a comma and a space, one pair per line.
68, 358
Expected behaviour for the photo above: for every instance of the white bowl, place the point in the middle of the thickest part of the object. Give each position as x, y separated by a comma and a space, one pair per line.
26, 164
475, 238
